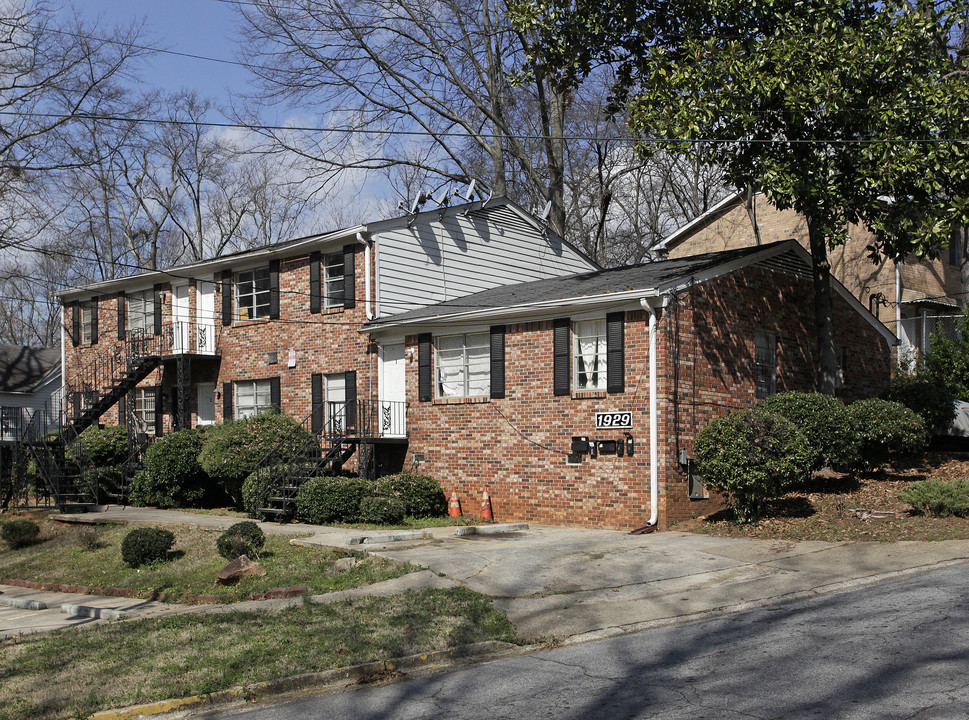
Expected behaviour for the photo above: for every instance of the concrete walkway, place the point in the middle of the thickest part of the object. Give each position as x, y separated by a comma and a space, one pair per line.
568, 582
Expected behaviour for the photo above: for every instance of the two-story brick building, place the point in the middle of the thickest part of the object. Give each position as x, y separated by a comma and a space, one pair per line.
471, 343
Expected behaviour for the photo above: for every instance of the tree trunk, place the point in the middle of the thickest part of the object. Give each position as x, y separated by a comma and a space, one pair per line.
821, 272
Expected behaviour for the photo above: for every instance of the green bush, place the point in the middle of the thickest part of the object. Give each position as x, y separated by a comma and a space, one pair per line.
104, 447
173, 476
382, 510
146, 545
937, 497
825, 423
421, 494
752, 455
243, 538
259, 487
235, 448
930, 400
947, 362
886, 431
19, 533
325, 500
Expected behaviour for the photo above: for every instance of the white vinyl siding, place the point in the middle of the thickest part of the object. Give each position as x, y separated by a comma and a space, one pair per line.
434, 260
252, 294
461, 365
589, 355
253, 397
141, 312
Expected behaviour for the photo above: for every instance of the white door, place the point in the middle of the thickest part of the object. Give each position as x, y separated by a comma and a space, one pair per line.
205, 318
392, 391
206, 407
180, 319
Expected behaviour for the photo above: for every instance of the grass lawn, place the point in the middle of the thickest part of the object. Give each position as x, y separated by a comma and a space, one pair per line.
74, 673
91, 556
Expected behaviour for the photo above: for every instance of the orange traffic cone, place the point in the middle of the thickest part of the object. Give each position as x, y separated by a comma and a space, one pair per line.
454, 509
486, 507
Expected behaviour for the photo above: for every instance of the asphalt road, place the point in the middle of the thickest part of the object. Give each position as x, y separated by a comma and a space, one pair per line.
896, 650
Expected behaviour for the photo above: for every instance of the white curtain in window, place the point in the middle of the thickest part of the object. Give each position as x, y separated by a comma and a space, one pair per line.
450, 365
479, 365
591, 355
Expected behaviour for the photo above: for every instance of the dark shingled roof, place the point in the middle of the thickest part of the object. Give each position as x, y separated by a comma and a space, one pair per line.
23, 368
600, 282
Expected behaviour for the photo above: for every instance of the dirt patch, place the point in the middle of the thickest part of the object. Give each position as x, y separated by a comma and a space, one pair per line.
862, 507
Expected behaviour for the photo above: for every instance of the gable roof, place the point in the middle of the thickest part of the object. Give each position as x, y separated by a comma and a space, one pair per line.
683, 232
23, 368
616, 285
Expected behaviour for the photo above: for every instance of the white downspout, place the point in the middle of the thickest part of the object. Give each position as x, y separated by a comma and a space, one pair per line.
366, 261
651, 305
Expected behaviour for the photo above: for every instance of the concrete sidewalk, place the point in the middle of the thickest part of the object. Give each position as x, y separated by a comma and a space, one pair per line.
569, 582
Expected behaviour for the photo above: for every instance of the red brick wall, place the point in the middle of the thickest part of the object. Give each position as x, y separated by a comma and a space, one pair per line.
517, 447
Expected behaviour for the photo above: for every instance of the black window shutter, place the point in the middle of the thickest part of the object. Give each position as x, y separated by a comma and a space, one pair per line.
274, 289
274, 394
561, 371
615, 352
349, 279
226, 401
498, 361
350, 383
226, 297
122, 314
159, 412
316, 398
75, 323
424, 367
122, 410
158, 309
315, 290
94, 320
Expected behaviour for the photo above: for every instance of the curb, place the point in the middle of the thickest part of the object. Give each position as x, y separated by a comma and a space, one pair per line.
490, 529
390, 537
314, 682
150, 595
90, 611
22, 603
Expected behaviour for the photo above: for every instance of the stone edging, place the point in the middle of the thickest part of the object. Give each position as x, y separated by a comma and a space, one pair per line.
271, 594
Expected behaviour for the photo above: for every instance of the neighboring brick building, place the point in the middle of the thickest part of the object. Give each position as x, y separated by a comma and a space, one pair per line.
503, 385
913, 298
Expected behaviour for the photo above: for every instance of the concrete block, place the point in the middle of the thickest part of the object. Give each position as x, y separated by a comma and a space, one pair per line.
92, 612
490, 529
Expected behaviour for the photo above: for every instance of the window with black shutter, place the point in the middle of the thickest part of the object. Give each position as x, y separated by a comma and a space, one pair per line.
560, 356
615, 352
497, 364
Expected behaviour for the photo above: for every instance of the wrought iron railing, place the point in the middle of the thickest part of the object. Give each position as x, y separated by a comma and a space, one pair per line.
198, 338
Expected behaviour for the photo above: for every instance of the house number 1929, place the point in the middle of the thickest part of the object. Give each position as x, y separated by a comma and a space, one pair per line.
614, 420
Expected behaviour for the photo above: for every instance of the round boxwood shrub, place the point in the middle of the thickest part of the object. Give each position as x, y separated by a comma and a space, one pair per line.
243, 538
752, 455
826, 425
236, 448
331, 499
382, 510
930, 400
421, 494
886, 431
173, 476
19, 533
259, 487
147, 545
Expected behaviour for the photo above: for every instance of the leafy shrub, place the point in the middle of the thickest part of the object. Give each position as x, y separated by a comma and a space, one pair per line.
937, 497
259, 487
421, 494
886, 431
104, 447
243, 538
235, 448
825, 423
331, 499
947, 362
753, 455
928, 399
147, 545
173, 476
19, 533
382, 510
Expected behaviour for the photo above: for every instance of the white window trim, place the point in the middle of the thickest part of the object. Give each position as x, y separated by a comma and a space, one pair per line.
87, 310
146, 414
580, 332
259, 387
333, 261
144, 301
254, 311
463, 377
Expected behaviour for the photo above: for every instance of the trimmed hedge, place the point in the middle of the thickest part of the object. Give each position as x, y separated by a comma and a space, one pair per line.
826, 425
752, 455
325, 500
887, 431
173, 476
242, 538
147, 545
938, 498
421, 494
19, 533
382, 510
930, 400
104, 447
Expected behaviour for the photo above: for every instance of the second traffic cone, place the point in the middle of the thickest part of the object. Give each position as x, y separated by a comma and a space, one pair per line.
486, 513
454, 509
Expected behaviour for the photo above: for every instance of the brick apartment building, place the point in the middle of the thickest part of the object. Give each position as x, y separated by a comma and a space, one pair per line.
475, 345
914, 298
